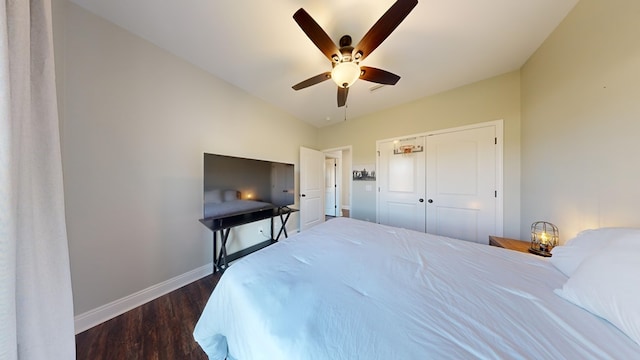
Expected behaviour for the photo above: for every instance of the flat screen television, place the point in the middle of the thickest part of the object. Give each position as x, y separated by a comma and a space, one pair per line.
235, 185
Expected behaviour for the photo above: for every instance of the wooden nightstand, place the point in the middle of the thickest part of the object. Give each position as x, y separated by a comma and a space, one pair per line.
511, 244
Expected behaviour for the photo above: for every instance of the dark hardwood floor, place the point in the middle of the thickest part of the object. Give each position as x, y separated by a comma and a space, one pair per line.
160, 329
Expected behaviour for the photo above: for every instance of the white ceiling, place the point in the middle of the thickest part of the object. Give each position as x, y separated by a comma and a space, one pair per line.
257, 46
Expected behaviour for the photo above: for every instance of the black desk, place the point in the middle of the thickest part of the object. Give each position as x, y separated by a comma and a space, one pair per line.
224, 224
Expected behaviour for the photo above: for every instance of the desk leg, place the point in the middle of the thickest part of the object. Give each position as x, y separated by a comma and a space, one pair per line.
272, 239
223, 247
215, 258
220, 257
283, 228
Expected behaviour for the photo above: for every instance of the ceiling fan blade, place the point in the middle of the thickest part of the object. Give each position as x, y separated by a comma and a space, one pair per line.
383, 28
315, 33
342, 96
378, 75
312, 81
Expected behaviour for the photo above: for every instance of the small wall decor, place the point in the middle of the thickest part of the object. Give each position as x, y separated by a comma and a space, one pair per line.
406, 147
364, 172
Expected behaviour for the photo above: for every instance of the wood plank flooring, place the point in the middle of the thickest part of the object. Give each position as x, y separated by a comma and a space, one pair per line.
161, 329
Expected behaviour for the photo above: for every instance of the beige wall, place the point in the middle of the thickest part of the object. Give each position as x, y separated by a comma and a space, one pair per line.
487, 100
136, 121
581, 121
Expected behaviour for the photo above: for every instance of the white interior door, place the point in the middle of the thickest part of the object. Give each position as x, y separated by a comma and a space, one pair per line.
330, 187
461, 184
401, 187
311, 188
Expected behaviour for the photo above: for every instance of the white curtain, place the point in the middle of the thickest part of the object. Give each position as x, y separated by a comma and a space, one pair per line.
36, 306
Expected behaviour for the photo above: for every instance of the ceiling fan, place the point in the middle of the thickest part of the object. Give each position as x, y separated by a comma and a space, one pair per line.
346, 59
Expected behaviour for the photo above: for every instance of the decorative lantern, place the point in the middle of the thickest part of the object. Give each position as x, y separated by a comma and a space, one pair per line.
544, 237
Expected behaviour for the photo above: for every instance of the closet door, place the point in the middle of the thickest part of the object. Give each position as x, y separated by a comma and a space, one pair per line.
401, 185
461, 184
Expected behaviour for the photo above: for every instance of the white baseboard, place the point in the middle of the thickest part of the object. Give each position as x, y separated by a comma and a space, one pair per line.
108, 311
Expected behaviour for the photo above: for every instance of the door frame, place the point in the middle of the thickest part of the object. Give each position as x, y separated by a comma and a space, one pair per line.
336, 172
331, 153
499, 126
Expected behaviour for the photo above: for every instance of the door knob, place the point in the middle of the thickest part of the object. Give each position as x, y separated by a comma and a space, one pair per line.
430, 201
421, 200
303, 195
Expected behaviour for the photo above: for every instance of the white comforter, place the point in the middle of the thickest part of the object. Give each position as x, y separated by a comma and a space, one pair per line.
349, 289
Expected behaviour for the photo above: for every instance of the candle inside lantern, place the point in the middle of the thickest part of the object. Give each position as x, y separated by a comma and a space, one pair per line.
544, 238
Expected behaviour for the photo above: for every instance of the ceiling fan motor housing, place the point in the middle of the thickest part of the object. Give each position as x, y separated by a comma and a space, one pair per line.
346, 49
345, 40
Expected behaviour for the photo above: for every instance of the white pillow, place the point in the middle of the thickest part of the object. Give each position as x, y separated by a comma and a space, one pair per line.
568, 257
230, 195
213, 196
607, 284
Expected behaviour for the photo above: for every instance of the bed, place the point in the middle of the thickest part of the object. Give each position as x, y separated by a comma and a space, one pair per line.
221, 203
350, 289
235, 207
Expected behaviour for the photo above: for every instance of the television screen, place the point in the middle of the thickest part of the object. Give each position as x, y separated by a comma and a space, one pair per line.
234, 185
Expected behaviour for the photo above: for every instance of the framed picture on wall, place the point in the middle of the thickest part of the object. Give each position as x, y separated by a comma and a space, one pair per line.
364, 172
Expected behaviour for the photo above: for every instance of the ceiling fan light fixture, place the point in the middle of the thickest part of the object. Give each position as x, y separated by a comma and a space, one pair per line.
344, 74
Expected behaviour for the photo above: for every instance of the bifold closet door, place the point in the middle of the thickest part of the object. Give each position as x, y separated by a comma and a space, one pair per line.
448, 189
461, 184
401, 183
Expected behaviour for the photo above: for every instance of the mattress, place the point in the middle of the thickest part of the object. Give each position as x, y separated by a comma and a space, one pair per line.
234, 207
350, 289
